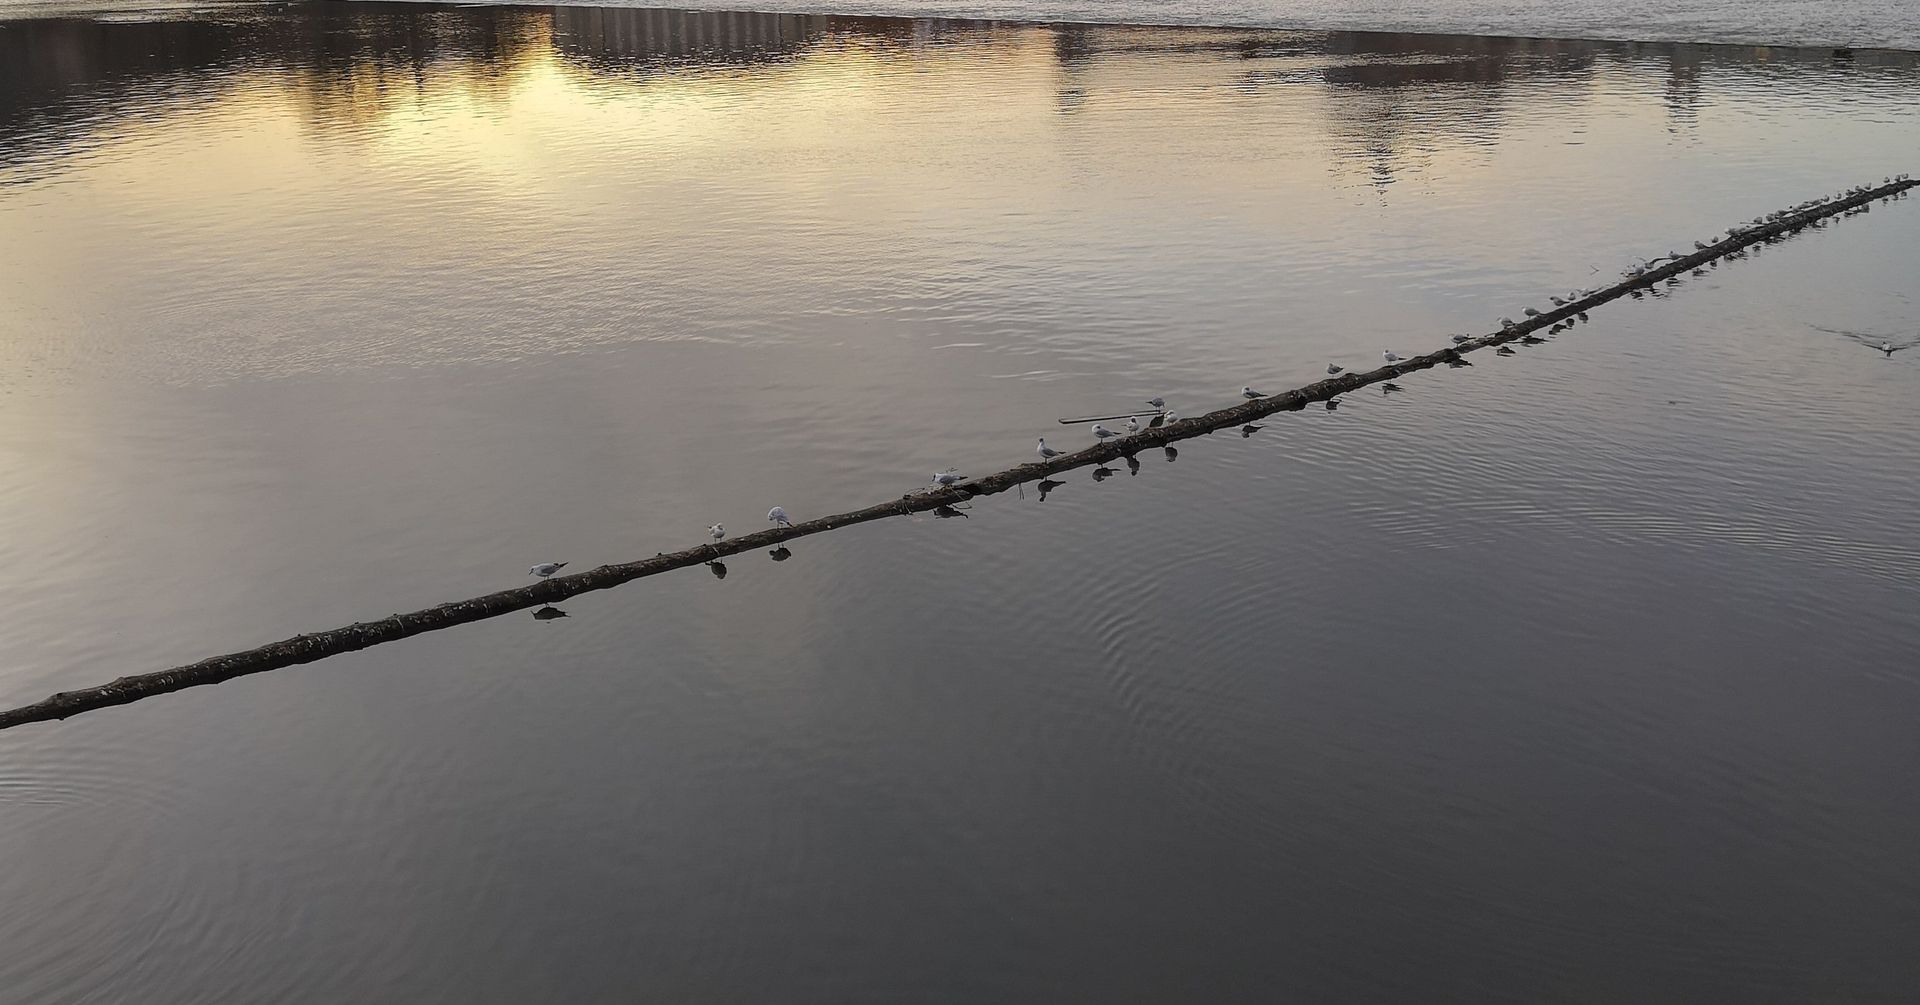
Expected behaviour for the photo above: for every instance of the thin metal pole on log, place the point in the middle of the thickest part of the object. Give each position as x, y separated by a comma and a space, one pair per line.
309, 648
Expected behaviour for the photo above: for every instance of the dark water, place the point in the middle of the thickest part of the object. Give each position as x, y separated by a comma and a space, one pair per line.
1586, 674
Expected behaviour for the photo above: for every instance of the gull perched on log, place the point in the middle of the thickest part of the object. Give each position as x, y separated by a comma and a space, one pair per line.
1046, 453
1133, 423
716, 532
778, 515
1249, 393
1102, 433
545, 569
1157, 401
1390, 356
948, 477
1333, 369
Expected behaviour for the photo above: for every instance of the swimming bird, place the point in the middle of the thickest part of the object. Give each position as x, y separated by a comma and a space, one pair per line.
778, 515
1249, 393
1157, 401
1046, 453
1390, 356
716, 532
948, 477
1889, 348
545, 569
1334, 368
1102, 433
1133, 423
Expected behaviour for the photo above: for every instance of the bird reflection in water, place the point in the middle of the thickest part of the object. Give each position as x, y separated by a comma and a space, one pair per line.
1248, 430
948, 512
1332, 404
719, 570
780, 554
1102, 473
1133, 465
1048, 485
1389, 387
1172, 454
549, 612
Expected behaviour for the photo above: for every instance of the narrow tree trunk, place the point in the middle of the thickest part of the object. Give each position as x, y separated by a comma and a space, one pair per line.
308, 648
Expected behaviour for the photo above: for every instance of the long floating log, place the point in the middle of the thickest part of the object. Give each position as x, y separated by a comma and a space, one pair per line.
309, 648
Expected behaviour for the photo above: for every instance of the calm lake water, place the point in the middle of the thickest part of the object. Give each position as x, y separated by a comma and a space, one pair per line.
1582, 675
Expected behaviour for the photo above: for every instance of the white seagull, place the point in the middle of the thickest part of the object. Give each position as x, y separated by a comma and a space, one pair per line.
1333, 369
545, 569
1046, 453
1249, 393
778, 515
716, 532
1133, 423
1390, 356
1102, 433
1171, 418
948, 477
1157, 401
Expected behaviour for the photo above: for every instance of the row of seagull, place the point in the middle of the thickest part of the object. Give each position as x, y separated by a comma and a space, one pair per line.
717, 533
1644, 266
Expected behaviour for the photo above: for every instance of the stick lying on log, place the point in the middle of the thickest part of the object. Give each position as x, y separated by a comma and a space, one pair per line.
308, 648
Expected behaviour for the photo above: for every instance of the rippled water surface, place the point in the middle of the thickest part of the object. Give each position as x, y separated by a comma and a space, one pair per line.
1582, 674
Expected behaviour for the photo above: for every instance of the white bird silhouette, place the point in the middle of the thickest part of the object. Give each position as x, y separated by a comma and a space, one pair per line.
948, 477
1333, 369
778, 515
716, 532
1249, 393
1102, 433
1390, 356
1046, 453
1133, 423
545, 569
1157, 401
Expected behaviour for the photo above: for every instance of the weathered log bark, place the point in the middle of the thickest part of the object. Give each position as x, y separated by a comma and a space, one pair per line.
308, 648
